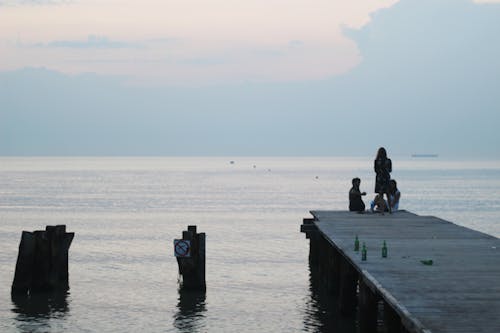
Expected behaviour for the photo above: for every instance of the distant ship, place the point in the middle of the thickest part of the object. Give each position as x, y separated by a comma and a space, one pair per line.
425, 155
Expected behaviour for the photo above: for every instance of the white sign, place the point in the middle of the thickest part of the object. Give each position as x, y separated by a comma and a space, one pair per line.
182, 248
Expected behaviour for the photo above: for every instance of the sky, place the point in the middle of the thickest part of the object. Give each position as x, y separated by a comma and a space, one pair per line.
256, 77
185, 42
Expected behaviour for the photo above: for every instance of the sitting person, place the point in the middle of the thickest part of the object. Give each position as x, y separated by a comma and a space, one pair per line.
393, 195
356, 204
379, 205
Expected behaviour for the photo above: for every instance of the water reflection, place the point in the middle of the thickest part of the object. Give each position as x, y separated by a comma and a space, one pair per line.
34, 312
191, 310
321, 311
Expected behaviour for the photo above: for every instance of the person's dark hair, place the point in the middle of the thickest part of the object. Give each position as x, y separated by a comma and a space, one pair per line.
355, 180
395, 188
381, 154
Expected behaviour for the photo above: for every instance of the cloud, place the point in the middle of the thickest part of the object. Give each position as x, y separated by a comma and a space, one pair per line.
427, 76
92, 42
164, 40
33, 2
429, 33
205, 61
296, 43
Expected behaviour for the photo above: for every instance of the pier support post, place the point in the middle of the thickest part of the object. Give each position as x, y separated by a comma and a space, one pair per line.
329, 269
392, 320
335, 276
348, 286
321, 255
314, 249
192, 266
42, 262
368, 308
309, 228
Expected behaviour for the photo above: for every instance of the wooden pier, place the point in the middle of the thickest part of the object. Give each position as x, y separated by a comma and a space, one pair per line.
437, 277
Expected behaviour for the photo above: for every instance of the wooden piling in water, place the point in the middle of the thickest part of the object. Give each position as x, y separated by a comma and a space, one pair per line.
191, 264
42, 262
25, 261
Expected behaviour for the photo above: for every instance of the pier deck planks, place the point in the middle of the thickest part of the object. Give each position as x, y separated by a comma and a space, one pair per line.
460, 292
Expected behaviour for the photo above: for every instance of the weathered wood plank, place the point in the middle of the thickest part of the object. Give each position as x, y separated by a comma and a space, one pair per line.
459, 292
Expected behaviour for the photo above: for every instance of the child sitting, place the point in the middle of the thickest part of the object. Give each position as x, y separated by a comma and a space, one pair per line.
378, 204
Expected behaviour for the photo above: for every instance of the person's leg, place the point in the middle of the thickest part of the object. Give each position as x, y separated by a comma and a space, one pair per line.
388, 202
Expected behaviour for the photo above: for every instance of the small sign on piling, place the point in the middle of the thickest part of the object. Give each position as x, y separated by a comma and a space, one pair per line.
182, 248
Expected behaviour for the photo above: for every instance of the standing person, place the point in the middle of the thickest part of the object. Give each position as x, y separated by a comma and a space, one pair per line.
383, 168
394, 195
356, 204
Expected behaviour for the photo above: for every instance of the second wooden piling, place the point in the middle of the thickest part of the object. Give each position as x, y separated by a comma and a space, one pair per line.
190, 253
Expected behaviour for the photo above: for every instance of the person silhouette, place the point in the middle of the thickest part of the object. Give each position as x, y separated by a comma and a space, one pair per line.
383, 168
356, 204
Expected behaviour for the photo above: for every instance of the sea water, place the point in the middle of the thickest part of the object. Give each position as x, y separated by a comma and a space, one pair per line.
125, 213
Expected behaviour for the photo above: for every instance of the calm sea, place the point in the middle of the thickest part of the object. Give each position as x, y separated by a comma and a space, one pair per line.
126, 212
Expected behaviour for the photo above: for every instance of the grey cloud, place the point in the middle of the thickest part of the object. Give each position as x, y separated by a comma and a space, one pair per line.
164, 40
205, 61
430, 33
33, 2
92, 42
429, 71
295, 43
